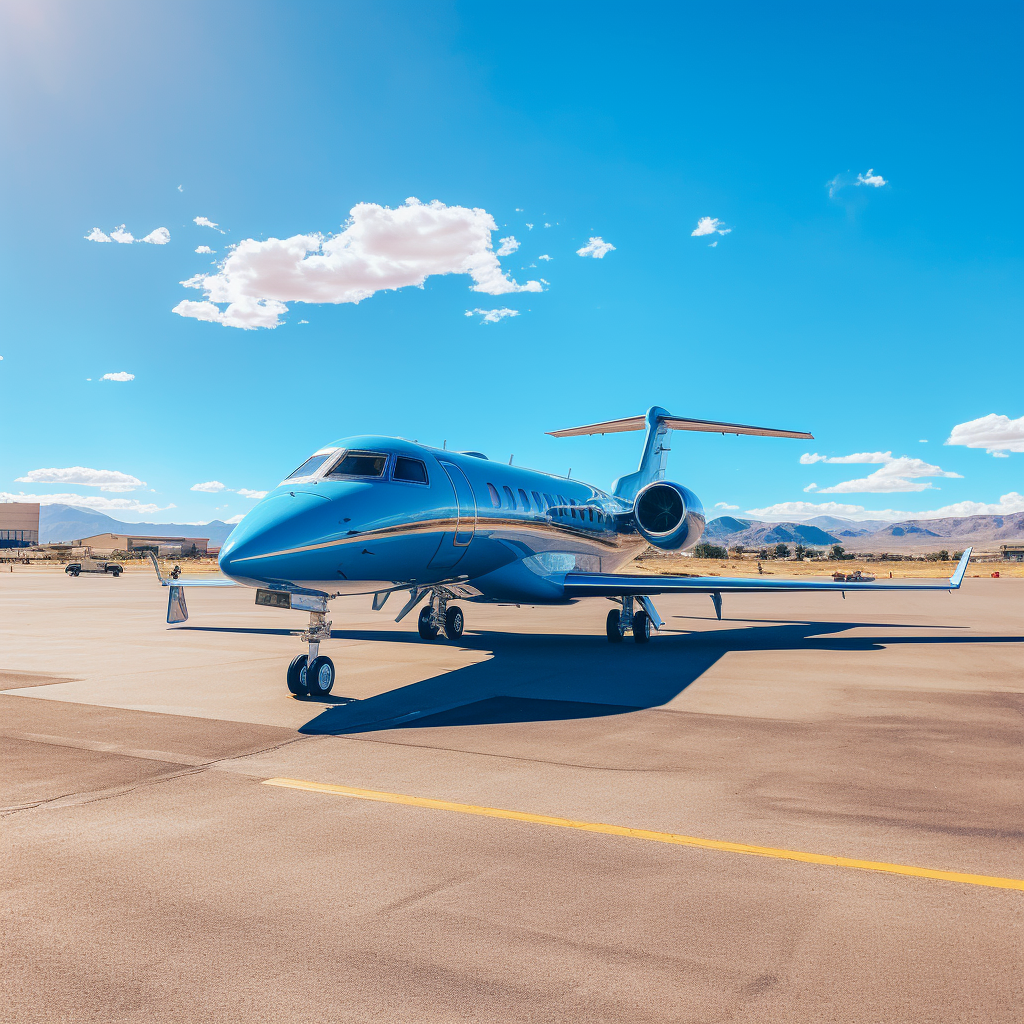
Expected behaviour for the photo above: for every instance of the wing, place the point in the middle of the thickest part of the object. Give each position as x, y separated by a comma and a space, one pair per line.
599, 584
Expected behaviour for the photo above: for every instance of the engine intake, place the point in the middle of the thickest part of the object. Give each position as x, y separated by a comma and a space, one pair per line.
669, 515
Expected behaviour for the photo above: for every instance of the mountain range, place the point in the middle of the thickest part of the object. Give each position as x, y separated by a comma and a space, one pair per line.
60, 523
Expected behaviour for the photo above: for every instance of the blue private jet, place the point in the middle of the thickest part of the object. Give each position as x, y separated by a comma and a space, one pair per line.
377, 515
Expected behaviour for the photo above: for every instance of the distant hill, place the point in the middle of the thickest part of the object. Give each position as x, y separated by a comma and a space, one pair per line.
753, 534
67, 522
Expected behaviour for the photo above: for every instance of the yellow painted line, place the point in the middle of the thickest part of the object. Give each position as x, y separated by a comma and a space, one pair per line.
654, 837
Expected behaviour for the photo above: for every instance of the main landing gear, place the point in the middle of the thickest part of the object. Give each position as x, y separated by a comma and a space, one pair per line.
438, 615
620, 622
312, 675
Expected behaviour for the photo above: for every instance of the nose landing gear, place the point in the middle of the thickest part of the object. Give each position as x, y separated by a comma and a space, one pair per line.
312, 675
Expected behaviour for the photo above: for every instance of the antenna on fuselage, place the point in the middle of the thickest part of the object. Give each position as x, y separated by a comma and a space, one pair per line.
444, 447
510, 458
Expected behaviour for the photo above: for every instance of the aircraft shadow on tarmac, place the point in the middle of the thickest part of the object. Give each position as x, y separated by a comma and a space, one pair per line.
556, 677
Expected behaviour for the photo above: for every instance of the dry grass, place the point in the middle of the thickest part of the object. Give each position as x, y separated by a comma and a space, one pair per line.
821, 569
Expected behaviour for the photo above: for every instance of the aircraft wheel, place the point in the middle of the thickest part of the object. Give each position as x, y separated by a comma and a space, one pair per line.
612, 627
641, 627
454, 622
297, 675
427, 631
320, 677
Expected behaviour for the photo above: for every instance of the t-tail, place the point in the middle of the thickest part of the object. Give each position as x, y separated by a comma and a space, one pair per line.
667, 514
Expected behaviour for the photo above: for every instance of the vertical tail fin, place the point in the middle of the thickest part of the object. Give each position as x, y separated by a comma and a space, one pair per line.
652, 461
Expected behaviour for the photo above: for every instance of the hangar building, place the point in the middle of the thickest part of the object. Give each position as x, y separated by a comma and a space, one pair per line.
19, 524
105, 543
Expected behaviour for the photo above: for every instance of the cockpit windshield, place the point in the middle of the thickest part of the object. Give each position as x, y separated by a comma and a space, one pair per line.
310, 466
358, 464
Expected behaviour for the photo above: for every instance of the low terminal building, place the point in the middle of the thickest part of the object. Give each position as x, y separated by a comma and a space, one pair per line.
19, 524
1013, 552
171, 547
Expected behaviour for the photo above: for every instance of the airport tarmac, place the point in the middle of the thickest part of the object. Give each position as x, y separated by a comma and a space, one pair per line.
545, 827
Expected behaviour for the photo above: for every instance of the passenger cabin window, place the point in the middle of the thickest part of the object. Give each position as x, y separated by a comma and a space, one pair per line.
310, 466
525, 500
537, 501
410, 469
549, 500
495, 497
511, 497
562, 501
591, 511
358, 464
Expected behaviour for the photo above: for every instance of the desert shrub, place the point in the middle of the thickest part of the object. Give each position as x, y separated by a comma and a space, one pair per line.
704, 550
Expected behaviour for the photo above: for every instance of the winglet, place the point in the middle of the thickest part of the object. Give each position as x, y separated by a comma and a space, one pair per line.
957, 578
156, 566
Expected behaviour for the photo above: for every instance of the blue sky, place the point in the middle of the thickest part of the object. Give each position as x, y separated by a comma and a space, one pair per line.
862, 163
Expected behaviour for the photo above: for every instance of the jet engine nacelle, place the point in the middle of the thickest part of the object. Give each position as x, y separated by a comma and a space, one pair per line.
669, 515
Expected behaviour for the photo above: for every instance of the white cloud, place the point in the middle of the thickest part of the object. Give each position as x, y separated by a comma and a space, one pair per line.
875, 180
723, 505
546, 257
104, 479
204, 222
808, 459
922, 440
119, 234
210, 487
303, 321
379, 249
121, 376
205, 248
254, 495
897, 475
93, 501
996, 434
810, 487
180, 189
529, 227
508, 246
709, 226
158, 236
713, 245
1007, 504
97, 236
547, 225
235, 519
492, 316
597, 247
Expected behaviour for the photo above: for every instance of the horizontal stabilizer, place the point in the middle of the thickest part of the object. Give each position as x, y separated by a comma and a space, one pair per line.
678, 423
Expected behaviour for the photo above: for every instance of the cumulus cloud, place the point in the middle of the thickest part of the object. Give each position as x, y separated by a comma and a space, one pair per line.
492, 316
872, 179
254, 495
808, 458
902, 474
723, 505
93, 501
205, 248
597, 248
508, 246
121, 376
996, 434
797, 510
204, 222
104, 479
210, 487
158, 236
234, 520
379, 249
709, 226
546, 257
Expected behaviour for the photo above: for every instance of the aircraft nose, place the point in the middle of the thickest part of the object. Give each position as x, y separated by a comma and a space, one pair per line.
275, 525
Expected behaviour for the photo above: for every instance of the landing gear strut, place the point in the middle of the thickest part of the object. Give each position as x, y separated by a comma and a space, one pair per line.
438, 616
637, 622
312, 675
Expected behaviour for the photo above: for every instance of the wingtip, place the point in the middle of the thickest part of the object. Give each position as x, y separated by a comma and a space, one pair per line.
957, 578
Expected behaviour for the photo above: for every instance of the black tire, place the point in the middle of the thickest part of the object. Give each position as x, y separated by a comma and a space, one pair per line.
297, 676
320, 677
115, 573
612, 627
75, 572
641, 628
454, 622
427, 631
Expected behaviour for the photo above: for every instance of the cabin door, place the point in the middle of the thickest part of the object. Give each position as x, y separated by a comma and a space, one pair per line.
454, 542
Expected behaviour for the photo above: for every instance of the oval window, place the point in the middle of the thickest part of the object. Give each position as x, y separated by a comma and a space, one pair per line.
495, 497
511, 497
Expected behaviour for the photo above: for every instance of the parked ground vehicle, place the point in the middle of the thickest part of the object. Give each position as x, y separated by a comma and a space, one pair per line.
97, 565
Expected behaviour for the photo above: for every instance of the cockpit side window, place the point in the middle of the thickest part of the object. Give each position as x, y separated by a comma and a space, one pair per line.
310, 466
354, 463
409, 469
